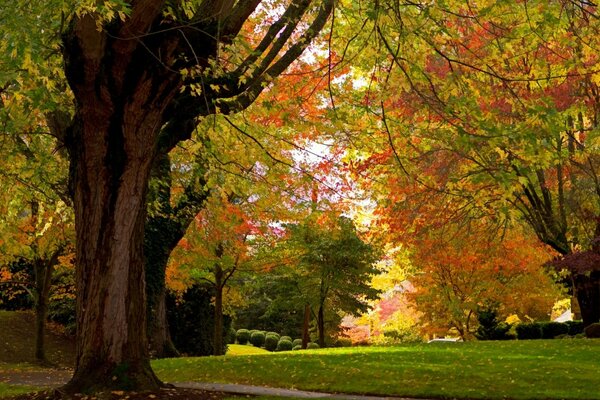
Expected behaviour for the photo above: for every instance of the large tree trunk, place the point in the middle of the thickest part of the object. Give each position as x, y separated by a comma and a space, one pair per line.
112, 164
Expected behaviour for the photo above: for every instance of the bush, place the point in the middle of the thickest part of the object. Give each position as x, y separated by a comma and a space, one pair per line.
575, 327
230, 336
550, 330
286, 338
243, 336
285, 345
529, 331
593, 330
273, 334
257, 338
343, 342
490, 328
313, 345
297, 342
271, 342
297, 347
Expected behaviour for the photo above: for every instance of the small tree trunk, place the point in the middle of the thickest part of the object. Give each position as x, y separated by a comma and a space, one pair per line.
218, 334
41, 311
321, 325
305, 326
161, 344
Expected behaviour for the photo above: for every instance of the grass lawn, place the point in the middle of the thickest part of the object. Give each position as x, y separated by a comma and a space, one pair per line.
244, 350
13, 390
537, 369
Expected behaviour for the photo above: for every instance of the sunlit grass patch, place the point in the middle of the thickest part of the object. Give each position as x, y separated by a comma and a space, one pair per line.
565, 369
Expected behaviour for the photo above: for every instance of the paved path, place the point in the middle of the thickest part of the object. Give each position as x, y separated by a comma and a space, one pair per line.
50, 378
269, 391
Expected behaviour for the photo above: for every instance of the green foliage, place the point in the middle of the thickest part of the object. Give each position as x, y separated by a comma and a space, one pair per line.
191, 321
230, 336
592, 331
313, 345
297, 342
284, 345
273, 334
343, 342
257, 338
550, 330
243, 336
575, 327
528, 331
489, 326
271, 342
297, 347
286, 338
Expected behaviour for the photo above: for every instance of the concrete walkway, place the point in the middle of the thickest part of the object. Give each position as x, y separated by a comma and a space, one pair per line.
269, 391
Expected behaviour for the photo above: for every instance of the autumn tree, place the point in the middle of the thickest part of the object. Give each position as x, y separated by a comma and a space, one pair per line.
459, 275
176, 62
496, 110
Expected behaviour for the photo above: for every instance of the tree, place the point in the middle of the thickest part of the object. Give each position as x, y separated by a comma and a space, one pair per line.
176, 62
497, 110
334, 266
460, 275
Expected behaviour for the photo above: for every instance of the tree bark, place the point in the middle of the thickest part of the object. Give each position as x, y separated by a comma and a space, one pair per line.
321, 325
305, 326
219, 284
588, 296
126, 77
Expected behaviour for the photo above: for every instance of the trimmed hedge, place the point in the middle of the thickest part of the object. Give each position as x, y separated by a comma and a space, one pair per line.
258, 338
243, 336
313, 345
297, 347
286, 338
297, 342
271, 342
284, 345
548, 329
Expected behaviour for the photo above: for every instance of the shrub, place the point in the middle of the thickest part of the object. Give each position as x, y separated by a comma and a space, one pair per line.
284, 345
243, 336
550, 330
575, 327
343, 342
271, 342
297, 347
529, 331
297, 342
230, 336
286, 338
490, 328
257, 338
273, 334
593, 330
313, 345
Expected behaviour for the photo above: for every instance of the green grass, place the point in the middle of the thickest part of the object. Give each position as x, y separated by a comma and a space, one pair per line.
244, 350
7, 390
557, 369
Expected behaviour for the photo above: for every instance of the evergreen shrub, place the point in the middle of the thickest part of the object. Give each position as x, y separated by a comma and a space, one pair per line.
243, 336
271, 342
257, 339
284, 345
